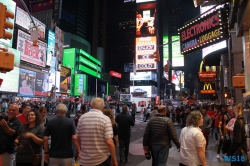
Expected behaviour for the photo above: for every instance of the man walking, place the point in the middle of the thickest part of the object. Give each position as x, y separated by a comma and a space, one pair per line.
124, 122
9, 126
158, 135
207, 123
62, 132
95, 136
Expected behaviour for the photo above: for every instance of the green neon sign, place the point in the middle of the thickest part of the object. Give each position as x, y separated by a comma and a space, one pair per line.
89, 71
90, 57
88, 63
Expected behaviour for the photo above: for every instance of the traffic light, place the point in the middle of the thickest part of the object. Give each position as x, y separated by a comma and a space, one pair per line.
166, 68
226, 95
7, 61
156, 56
4, 23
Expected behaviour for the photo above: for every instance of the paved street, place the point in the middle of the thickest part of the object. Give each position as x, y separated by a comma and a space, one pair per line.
136, 154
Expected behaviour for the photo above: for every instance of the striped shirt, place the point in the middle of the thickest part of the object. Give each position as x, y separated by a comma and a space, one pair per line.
93, 128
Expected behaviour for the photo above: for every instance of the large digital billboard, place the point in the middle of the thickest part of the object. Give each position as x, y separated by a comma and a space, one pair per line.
79, 84
139, 76
27, 82
51, 46
60, 42
214, 47
144, 55
65, 78
30, 53
11, 6
204, 31
10, 79
177, 78
143, 91
145, 19
41, 84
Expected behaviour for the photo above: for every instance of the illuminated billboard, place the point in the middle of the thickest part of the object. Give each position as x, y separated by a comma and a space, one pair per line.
144, 55
142, 1
204, 31
217, 46
177, 78
143, 91
145, 19
143, 76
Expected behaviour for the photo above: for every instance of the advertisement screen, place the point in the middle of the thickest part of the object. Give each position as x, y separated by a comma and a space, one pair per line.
142, 91
23, 20
11, 6
42, 84
60, 42
10, 79
177, 57
51, 47
165, 51
27, 82
79, 81
141, 76
30, 53
52, 80
144, 55
65, 77
145, 19
142, 1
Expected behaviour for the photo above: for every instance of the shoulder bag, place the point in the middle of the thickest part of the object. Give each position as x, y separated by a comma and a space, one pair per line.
37, 158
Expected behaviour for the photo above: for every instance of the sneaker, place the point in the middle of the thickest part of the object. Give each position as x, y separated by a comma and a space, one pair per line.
217, 156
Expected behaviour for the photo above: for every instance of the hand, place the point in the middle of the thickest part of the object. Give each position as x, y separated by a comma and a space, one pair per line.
222, 137
46, 158
145, 148
179, 149
28, 135
78, 155
114, 163
3, 123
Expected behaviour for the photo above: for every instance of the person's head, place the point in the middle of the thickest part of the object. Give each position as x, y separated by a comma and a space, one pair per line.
83, 108
195, 119
42, 110
187, 110
25, 109
108, 112
219, 112
230, 109
124, 108
162, 110
12, 111
238, 109
33, 116
27, 76
97, 103
155, 107
203, 111
61, 110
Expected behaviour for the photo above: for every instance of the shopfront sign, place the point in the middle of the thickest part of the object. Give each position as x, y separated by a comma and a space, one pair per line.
208, 88
115, 74
204, 31
207, 76
30, 53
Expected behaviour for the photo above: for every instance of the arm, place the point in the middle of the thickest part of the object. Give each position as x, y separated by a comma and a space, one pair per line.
46, 148
173, 134
111, 148
78, 141
6, 128
75, 141
37, 140
201, 155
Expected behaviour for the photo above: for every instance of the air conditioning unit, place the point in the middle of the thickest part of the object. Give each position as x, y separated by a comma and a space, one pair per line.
239, 81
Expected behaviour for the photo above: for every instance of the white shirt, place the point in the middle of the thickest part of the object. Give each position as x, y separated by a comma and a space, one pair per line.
190, 138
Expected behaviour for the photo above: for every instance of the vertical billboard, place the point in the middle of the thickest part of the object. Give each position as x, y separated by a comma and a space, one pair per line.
145, 19
23, 20
144, 55
41, 84
65, 77
10, 79
11, 6
51, 47
27, 82
79, 84
177, 57
59, 42
52, 82
30, 53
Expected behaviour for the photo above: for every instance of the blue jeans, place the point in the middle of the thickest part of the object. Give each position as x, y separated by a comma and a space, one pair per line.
160, 154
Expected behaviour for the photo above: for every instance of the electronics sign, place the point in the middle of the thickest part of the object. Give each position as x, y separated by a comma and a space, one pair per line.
145, 19
144, 55
204, 31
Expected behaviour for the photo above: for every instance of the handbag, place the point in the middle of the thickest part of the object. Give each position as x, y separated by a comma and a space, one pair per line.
240, 152
37, 158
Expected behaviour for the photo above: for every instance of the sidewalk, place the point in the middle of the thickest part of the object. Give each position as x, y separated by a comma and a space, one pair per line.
136, 151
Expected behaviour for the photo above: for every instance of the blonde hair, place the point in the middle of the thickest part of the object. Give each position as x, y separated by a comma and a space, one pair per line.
238, 109
193, 118
108, 112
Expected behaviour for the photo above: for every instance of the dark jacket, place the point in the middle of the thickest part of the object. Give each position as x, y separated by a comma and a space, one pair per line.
124, 122
160, 131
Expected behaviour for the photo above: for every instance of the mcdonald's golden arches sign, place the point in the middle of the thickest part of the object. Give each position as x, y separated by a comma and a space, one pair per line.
208, 88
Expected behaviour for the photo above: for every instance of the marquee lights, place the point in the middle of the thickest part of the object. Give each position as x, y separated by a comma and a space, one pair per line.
204, 31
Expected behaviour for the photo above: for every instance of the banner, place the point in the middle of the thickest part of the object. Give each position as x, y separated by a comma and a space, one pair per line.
23, 20
10, 79
41, 84
65, 80
78, 88
30, 53
27, 82
60, 42
51, 47
11, 6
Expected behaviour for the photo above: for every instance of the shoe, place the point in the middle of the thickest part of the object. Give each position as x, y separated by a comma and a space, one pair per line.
217, 156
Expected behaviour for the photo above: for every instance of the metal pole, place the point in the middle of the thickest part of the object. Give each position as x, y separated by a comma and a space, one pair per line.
56, 63
230, 70
96, 87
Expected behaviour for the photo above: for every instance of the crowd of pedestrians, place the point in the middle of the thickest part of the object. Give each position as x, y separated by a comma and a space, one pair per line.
99, 129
